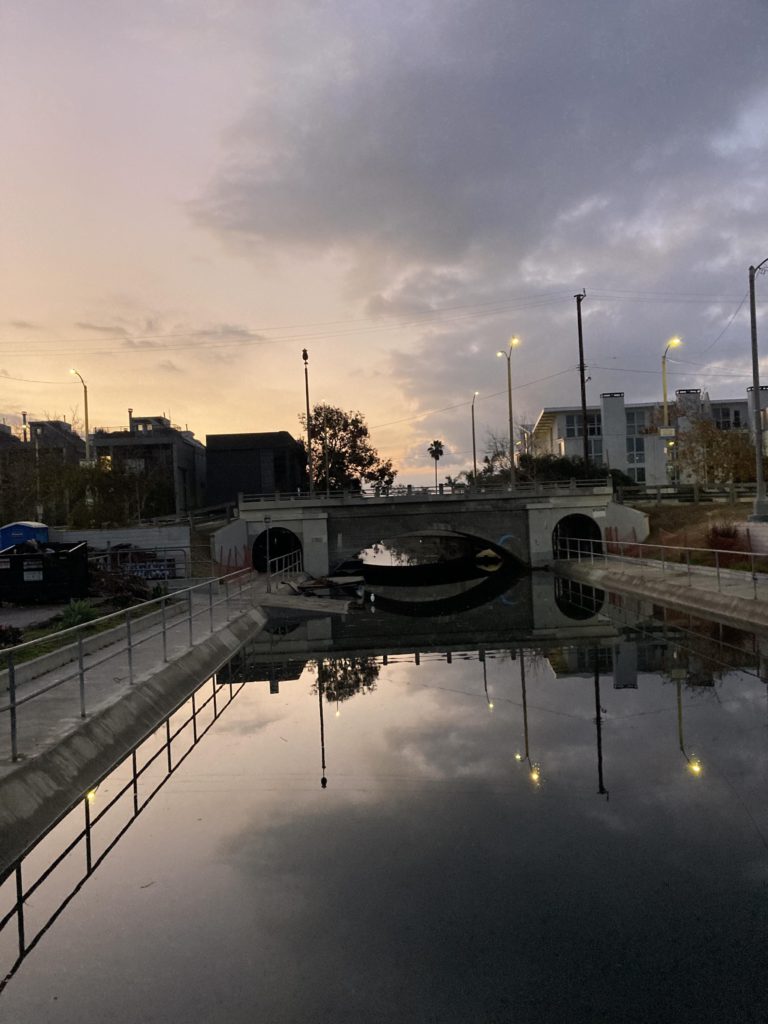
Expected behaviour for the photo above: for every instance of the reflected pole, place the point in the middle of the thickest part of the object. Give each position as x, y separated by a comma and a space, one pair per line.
599, 727
320, 691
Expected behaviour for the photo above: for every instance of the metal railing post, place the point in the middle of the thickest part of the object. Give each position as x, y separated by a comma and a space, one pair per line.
226, 595
754, 573
663, 563
81, 673
688, 560
12, 709
210, 602
189, 617
165, 633
717, 567
129, 640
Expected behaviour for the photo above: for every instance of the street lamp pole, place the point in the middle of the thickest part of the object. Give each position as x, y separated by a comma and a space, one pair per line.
760, 510
582, 378
474, 444
305, 357
513, 343
85, 411
672, 343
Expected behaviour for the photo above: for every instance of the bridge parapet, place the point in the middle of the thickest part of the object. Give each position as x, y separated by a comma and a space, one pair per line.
408, 495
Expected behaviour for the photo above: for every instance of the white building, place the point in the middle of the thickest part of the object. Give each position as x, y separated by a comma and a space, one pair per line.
628, 438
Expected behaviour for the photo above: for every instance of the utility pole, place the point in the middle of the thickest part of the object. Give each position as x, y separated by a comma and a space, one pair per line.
579, 299
760, 509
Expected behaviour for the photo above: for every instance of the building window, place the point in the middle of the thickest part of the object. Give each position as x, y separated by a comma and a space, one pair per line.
635, 421
637, 473
722, 417
596, 449
635, 450
573, 424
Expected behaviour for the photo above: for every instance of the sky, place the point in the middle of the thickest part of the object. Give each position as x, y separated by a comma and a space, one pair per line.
195, 190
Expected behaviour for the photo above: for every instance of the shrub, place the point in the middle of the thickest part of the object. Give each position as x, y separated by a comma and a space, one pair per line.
77, 613
9, 636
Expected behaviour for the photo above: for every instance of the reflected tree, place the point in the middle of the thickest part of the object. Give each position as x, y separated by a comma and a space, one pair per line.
342, 678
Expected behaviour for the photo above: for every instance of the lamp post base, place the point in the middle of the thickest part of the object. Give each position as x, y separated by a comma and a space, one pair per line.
759, 511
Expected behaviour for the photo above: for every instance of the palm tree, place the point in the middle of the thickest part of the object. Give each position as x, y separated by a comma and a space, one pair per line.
436, 451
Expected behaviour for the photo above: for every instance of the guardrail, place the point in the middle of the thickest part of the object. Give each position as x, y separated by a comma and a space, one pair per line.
285, 565
729, 566
521, 488
120, 635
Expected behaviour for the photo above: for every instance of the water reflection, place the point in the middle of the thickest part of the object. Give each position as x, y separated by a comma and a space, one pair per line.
453, 865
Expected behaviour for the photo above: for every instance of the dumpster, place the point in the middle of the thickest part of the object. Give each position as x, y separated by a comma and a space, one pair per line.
17, 533
33, 573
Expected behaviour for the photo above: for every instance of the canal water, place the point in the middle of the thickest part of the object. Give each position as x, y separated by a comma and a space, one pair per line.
550, 808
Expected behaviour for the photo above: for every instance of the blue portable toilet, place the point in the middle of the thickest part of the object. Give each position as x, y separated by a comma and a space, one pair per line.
17, 533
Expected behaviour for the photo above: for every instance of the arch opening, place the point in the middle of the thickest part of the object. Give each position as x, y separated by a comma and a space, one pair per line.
281, 542
576, 536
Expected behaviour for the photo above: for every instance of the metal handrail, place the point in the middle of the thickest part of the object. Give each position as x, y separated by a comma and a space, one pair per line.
124, 645
596, 550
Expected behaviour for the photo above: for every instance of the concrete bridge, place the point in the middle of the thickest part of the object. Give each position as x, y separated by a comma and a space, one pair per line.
527, 521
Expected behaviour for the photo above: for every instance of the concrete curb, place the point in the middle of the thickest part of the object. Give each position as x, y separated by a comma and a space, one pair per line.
742, 612
37, 792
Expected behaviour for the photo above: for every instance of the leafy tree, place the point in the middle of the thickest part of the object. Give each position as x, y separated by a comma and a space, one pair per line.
712, 456
343, 457
436, 450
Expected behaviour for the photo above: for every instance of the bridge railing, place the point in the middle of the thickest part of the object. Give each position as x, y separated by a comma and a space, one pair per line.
684, 566
74, 656
410, 492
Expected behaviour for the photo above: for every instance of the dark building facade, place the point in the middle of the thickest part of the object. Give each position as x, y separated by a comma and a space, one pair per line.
168, 460
57, 438
265, 463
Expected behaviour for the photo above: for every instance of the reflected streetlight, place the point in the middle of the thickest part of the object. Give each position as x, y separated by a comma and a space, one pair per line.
760, 509
599, 729
534, 767
488, 701
672, 343
513, 343
474, 445
694, 764
85, 412
320, 691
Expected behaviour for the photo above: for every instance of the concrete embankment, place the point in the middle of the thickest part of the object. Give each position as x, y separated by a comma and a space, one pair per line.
730, 600
34, 794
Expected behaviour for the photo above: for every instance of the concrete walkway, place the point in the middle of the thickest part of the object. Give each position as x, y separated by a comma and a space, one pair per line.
45, 720
737, 598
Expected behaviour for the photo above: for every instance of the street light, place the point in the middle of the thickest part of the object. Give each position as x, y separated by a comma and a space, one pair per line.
85, 403
672, 343
513, 343
305, 357
474, 446
760, 510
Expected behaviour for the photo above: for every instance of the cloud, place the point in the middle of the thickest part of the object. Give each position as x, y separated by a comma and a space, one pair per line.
169, 367
460, 155
24, 325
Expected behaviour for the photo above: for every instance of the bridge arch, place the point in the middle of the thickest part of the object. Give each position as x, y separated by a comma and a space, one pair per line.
282, 541
576, 534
